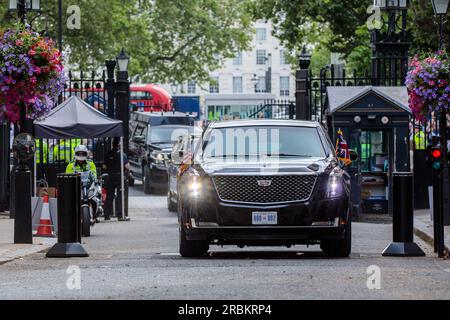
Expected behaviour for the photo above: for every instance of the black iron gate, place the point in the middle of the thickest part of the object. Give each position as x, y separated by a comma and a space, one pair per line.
275, 109
332, 75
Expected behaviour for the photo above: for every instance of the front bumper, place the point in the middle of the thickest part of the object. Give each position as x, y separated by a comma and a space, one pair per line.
158, 175
272, 235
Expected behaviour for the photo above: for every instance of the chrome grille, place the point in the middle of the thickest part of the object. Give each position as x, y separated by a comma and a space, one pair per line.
265, 189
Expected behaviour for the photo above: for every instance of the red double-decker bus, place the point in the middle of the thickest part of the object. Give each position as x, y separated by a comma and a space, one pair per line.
150, 98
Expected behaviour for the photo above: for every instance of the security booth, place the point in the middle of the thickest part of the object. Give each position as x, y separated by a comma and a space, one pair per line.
375, 122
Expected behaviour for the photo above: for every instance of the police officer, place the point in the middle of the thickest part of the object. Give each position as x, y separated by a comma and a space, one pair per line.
81, 162
113, 182
419, 138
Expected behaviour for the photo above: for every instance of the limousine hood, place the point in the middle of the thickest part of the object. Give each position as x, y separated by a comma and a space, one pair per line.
267, 166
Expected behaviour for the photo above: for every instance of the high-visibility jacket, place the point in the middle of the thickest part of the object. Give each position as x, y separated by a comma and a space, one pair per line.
44, 152
76, 167
63, 151
419, 140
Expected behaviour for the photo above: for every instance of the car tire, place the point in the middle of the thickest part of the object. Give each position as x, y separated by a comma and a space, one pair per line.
85, 222
146, 180
340, 248
171, 206
190, 248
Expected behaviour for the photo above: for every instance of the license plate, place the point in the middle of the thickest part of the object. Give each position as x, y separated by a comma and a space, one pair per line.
265, 218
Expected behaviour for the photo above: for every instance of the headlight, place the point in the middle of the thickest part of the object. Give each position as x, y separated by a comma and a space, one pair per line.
335, 186
194, 187
158, 157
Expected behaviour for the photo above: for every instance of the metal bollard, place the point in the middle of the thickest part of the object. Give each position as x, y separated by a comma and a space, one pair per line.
69, 219
23, 229
403, 219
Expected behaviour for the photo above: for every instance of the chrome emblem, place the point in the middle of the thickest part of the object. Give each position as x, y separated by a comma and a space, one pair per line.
264, 183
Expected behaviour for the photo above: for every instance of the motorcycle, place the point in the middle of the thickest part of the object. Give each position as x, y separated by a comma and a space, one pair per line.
91, 201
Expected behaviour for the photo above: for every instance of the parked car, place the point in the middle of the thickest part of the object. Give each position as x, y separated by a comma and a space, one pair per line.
180, 160
265, 182
152, 136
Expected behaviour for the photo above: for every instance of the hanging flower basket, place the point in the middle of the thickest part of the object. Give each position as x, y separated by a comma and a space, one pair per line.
428, 83
31, 74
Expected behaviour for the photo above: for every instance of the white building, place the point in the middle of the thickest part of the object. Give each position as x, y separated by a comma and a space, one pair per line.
242, 84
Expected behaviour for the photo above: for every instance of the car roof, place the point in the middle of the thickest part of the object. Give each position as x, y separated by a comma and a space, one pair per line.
262, 123
163, 114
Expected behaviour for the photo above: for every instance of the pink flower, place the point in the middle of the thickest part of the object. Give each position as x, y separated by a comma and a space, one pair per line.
37, 70
32, 53
33, 80
19, 42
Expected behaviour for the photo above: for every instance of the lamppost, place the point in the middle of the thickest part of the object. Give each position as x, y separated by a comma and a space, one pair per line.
123, 113
21, 180
390, 49
22, 7
440, 8
60, 26
302, 106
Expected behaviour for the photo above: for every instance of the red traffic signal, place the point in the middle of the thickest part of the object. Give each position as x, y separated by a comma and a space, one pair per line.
436, 153
435, 157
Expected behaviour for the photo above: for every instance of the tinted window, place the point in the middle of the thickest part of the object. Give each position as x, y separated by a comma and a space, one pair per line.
168, 134
271, 141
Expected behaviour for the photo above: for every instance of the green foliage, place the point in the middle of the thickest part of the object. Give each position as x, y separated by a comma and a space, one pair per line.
340, 26
168, 40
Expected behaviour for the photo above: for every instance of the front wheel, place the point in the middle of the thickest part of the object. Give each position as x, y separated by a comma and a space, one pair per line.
85, 221
146, 180
339, 248
192, 248
189, 248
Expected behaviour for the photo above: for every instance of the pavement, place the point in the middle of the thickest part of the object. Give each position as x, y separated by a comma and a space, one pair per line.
10, 251
423, 228
139, 260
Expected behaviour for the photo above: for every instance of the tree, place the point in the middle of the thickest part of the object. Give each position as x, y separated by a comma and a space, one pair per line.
168, 40
340, 26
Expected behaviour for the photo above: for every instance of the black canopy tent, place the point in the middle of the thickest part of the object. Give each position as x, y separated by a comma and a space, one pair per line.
75, 118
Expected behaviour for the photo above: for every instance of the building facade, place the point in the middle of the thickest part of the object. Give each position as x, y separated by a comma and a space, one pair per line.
245, 81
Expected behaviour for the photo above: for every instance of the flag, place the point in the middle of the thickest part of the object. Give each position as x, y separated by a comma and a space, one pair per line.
342, 149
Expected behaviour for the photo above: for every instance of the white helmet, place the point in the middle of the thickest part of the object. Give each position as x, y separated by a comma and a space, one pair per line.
81, 153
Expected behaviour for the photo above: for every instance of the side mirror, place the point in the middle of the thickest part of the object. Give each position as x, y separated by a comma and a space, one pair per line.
353, 155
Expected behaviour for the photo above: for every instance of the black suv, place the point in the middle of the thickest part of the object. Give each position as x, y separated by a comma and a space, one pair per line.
264, 182
152, 136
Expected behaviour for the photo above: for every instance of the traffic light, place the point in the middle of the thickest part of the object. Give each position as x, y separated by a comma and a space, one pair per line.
435, 157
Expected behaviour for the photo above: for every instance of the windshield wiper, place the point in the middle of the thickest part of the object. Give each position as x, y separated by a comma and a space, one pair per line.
235, 156
288, 155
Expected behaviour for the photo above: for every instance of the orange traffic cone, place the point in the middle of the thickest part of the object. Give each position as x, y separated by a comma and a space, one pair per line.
45, 223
